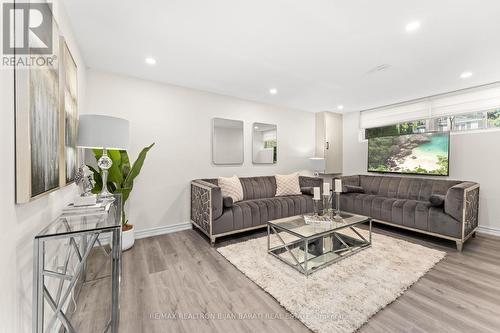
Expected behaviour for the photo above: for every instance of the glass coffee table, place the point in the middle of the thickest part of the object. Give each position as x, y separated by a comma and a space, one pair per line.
308, 247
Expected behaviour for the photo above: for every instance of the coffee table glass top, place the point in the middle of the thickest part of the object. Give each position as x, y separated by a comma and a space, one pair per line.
310, 246
298, 226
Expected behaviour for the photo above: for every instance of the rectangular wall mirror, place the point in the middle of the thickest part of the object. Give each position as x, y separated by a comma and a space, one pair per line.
227, 141
265, 143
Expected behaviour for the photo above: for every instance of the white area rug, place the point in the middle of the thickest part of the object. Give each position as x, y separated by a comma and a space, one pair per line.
343, 296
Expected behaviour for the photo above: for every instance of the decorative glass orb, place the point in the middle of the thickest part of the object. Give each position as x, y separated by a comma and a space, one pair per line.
104, 162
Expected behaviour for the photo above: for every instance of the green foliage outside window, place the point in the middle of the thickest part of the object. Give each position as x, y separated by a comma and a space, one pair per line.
462, 122
409, 127
494, 118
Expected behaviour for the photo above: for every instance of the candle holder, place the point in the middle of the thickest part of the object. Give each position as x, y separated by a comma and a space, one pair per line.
337, 216
316, 206
327, 204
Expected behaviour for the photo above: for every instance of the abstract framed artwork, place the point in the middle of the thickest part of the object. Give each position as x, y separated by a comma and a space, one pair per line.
70, 111
46, 121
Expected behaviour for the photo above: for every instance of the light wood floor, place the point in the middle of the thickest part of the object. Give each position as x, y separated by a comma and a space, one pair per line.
181, 273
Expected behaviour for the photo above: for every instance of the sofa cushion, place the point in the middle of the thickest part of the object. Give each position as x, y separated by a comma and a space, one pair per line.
231, 187
258, 187
410, 213
287, 184
252, 213
404, 187
443, 224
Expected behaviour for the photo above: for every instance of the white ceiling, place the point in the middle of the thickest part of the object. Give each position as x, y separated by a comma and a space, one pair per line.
317, 53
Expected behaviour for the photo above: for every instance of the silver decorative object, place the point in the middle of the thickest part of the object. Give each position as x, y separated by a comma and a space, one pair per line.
327, 204
337, 216
104, 163
316, 206
84, 179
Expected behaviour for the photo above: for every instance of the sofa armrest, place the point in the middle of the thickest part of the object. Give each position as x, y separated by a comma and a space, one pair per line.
351, 181
206, 204
307, 190
462, 202
305, 182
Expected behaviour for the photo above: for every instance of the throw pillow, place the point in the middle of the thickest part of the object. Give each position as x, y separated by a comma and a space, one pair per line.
227, 202
231, 187
287, 184
437, 200
353, 189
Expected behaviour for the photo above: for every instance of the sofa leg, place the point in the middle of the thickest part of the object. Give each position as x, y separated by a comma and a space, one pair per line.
460, 246
212, 241
474, 234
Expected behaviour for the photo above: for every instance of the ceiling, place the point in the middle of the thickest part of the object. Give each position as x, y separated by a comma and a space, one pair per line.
318, 54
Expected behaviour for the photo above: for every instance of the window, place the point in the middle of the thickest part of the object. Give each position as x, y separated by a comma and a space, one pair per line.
381, 131
494, 118
469, 121
410, 127
441, 124
459, 123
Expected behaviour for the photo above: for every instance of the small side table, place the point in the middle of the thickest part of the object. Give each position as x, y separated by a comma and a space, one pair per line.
81, 230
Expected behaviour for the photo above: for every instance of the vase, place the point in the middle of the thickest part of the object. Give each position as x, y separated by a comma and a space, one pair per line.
128, 238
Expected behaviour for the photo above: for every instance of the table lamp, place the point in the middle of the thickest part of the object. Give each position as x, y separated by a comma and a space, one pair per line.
103, 132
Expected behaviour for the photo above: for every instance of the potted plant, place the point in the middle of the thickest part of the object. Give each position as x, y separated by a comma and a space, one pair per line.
121, 180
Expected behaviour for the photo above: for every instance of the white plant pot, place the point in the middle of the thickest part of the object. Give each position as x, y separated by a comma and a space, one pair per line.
128, 239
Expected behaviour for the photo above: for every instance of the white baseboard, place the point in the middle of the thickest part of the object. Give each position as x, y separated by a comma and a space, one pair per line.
167, 229
489, 231
150, 232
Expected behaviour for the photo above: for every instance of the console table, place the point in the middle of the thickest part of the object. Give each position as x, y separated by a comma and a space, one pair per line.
77, 231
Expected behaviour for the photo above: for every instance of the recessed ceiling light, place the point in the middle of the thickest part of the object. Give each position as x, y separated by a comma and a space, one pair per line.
413, 26
340, 107
273, 91
150, 61
256, 127
466, 75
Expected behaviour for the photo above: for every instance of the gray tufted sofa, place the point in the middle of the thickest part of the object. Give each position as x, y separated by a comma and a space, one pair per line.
406, 202
217, 216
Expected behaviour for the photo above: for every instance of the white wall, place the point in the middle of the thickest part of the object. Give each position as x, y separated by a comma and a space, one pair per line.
473, 156
179, 121
19, 223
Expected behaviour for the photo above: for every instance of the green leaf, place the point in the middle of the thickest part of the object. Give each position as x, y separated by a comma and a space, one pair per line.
136, 168
121, 176
125, 166
116, 157
115, 175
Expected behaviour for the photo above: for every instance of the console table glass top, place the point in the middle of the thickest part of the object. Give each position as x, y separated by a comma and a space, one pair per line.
84, 220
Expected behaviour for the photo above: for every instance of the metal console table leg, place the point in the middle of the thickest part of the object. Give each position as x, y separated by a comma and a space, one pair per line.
115, 279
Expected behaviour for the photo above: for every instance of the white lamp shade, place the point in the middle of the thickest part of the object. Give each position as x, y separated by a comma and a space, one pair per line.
317, 164
97, 131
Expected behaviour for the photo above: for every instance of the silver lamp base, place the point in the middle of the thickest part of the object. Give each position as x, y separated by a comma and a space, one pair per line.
105, 163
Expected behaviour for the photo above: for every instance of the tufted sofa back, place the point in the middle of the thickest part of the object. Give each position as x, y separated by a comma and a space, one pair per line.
255, 187
405, 188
